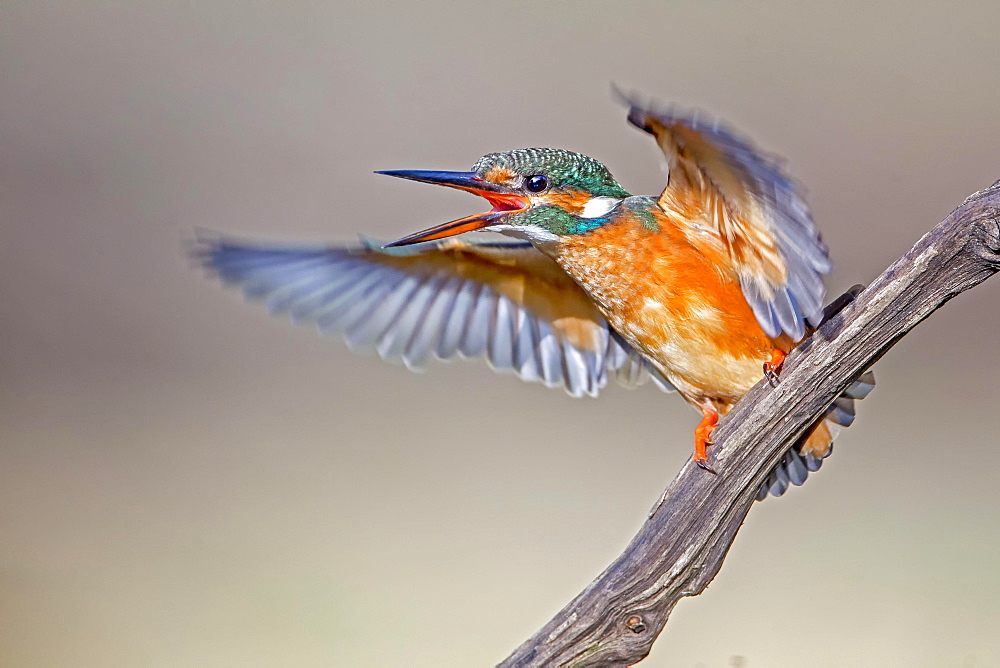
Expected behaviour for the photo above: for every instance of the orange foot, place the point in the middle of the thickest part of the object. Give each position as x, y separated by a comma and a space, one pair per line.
703, 436
772, 367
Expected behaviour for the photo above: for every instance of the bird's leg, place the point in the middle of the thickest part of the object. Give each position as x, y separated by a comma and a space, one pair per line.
772, 367
703, 435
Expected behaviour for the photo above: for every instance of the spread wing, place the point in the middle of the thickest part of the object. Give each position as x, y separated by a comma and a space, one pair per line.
755, 211
505, 301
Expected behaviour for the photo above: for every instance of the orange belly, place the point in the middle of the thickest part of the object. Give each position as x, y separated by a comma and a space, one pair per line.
676, 303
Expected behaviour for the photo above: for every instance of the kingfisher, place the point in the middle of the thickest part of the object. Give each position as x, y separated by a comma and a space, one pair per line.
702, 290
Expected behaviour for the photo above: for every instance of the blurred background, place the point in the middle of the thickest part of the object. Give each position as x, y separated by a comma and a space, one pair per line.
185, 481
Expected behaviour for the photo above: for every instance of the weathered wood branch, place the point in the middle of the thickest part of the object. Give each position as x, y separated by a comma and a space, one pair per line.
681, 546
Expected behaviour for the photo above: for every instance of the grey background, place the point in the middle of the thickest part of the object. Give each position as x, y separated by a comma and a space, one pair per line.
185, 481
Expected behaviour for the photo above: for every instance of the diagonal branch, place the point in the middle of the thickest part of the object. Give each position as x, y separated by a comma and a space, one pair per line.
682, 545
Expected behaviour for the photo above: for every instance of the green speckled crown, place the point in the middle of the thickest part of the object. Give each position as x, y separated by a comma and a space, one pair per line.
563, 168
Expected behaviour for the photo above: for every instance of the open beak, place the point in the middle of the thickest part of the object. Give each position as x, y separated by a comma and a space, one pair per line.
503, 199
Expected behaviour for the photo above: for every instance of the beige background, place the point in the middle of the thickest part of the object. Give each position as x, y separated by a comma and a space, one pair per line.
187, 482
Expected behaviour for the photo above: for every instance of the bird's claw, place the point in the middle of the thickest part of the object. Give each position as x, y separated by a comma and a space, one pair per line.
702, 464
773, 366
703, 437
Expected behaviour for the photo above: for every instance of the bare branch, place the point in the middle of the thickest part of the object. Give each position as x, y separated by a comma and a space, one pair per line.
681, 546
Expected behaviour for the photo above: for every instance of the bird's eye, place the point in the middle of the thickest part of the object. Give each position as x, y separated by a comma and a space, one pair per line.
536, 183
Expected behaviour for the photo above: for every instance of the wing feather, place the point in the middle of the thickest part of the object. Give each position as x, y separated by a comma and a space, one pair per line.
455, 319
754, 210
428, 328
503, 301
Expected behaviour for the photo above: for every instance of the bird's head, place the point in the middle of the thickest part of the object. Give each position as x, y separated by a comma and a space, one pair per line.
537, 193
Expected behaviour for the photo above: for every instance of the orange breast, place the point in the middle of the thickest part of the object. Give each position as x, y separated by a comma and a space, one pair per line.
680, 305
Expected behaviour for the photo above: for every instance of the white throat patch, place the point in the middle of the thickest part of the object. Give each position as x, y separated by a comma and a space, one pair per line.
599, 206
527, 232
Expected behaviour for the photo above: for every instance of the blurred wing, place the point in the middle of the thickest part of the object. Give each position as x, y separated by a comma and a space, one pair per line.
755, 211
505, 301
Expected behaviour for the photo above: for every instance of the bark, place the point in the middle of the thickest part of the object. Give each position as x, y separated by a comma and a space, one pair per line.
682, 544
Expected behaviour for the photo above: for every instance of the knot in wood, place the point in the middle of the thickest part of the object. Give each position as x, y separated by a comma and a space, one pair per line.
992, 240
635, 624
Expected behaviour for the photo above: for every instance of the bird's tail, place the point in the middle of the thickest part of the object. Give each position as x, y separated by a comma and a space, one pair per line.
817, 443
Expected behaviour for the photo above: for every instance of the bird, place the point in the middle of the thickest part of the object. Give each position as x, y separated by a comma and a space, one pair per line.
703, 289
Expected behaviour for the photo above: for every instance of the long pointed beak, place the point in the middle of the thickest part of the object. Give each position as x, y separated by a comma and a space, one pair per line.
504, 201
468, 224
467, 181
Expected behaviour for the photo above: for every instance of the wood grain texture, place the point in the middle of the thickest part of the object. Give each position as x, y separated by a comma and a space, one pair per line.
681, 546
